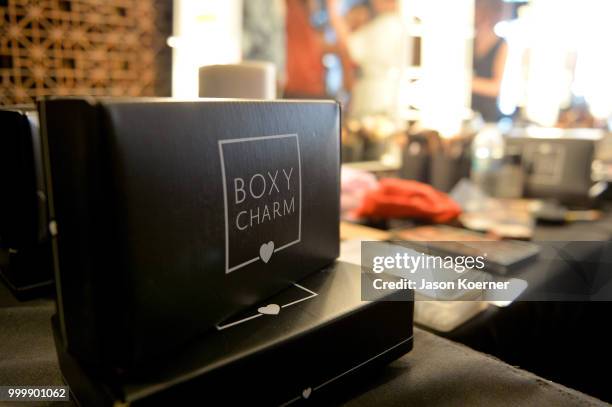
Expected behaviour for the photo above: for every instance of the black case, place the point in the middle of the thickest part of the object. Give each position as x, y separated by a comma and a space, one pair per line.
25, 248
322, 338
149, 236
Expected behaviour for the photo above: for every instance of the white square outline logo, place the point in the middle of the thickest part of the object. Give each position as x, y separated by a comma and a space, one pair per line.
277, 249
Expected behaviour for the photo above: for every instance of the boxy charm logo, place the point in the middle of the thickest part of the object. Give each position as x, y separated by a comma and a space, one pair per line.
262, 194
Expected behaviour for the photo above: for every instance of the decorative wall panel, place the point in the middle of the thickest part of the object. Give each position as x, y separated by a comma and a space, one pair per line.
80, 47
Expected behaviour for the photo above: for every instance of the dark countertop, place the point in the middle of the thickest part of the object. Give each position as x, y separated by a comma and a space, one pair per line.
437, 372
558, 340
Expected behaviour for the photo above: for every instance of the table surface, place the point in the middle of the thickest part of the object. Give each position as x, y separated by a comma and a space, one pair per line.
568, 342
437, 372
559, 341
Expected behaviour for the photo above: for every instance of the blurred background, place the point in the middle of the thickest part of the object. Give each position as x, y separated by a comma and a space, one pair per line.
417, 78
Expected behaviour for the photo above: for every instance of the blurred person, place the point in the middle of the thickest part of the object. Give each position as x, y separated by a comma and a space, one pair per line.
357, 16
379, 49
263, 34
305, 51
490, 52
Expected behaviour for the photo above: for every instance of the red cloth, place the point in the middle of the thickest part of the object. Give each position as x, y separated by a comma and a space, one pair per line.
397, 198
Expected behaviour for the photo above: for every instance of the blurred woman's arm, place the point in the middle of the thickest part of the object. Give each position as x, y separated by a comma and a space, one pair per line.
342, 38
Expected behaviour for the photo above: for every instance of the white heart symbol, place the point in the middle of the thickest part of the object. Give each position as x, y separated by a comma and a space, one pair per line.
306, 392
270, 309
266, 250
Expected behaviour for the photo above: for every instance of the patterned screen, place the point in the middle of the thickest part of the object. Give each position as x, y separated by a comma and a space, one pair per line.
78, 47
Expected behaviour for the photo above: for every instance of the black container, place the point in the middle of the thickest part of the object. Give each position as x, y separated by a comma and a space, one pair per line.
416, 158
24, 238
320, 338
171, 216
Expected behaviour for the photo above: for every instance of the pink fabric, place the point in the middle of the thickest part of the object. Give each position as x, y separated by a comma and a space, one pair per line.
355, 184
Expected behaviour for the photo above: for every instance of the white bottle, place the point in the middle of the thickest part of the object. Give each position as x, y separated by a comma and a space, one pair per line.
487, 158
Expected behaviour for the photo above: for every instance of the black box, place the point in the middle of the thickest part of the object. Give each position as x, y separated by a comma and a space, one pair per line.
171, 216
25, 248
318, 335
